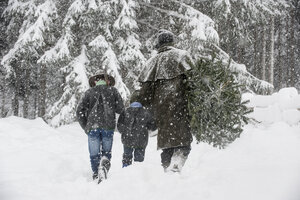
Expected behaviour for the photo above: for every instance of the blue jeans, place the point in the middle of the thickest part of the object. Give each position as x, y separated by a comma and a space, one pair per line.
100, 144
139, 155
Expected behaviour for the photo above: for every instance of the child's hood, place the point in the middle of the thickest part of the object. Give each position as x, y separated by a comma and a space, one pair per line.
136, 105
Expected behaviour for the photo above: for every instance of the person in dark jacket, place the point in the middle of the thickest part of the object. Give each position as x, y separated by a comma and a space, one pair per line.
134, 124
96, 113
164, 92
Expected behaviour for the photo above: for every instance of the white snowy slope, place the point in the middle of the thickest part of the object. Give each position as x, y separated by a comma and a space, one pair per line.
38, 162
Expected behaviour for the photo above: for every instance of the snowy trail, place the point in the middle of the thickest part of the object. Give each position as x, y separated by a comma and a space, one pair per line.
39, 162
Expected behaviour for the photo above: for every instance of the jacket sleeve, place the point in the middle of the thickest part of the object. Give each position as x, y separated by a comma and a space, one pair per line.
151, 124
120, 124
119, 102
144, 95
82, 111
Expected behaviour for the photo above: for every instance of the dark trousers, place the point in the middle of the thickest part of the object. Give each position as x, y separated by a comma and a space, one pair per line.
129, 152
168, 153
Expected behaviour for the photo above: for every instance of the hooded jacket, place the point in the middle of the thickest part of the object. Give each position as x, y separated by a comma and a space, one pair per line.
134, 124
98, 108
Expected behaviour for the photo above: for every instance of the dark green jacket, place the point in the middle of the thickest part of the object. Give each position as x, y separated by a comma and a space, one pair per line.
98, 108
164, 92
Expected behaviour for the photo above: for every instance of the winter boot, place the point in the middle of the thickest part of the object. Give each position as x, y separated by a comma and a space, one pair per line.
104, 167
105, 162
177, 161
95, 175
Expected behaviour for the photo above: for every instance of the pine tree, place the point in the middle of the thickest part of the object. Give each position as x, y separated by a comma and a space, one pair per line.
116, 36
33, 20
238, 24
128, 43
87, 35
3, 49
197, 33
63, 111
66, 61
217, 113
102, 51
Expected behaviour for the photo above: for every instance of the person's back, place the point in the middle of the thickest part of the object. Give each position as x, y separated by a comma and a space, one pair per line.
168, 94
134, 124
167, 64
164, 92
96, 115
98, 108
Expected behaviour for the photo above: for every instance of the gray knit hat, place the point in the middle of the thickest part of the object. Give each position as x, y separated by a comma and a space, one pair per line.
164, 37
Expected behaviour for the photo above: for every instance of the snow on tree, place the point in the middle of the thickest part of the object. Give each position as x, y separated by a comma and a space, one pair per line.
102, 52
47, 36
64, 110
250, 83
59, 57
243, 27
128, 42
197, 34
198, 30
101, 48
38, 19
33, 21
86, 23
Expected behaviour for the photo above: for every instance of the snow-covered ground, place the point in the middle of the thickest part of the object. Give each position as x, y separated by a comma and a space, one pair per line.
38, 162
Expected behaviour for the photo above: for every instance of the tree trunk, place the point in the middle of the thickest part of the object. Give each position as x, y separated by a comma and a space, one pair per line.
287, 61
279, 57
241, 53
3, 114
35, 104
26, 92
271, 56
15, 100
255, 56
292, 50
42, 92
263, 54
35, 91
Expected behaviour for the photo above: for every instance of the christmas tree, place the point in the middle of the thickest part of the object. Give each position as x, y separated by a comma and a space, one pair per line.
217, 111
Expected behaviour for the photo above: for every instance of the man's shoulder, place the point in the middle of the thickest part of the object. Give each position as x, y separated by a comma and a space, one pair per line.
88, 91
178, 54
113, 89
173, 49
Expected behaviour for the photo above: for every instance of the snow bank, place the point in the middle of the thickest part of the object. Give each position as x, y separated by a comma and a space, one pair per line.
280, 106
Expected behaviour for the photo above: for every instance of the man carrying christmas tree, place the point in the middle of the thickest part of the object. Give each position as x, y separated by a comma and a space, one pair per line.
96, 114
164, 92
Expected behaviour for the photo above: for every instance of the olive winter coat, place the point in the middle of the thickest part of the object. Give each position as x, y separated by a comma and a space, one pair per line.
164, 92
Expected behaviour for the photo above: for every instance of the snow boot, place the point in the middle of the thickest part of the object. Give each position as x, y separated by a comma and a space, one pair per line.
104, 167
177, 161
95, 175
